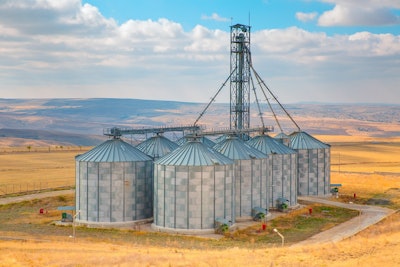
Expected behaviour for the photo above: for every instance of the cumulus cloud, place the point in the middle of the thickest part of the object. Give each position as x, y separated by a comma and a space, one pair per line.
360, 13
68, 49
215, 17
306, 17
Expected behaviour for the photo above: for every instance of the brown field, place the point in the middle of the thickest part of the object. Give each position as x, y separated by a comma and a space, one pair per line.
368, 167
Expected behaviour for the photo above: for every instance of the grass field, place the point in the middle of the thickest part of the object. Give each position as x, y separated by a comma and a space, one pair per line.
367, 167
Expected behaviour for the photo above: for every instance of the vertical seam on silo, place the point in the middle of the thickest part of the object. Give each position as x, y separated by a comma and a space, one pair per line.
239, 166
309, 169
214, 190
123, 191
317, 169
111, 189
154, 199
201, 198
252, 184
77, 186
283, 175
225, 207
188, 194
290, 181
261, 182
165, 170
175, 201
98, 191
272, 188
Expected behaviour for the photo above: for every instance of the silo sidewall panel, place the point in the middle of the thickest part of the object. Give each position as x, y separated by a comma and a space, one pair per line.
277, 168
257, 185
117, 192
327, 168
303, 172
197, 202
93, 195
218, 189
229, 193
294, 180
148, 176
128, 191
169, 196
264, 186
206, 201
159, 195
182, 183
82, 190
105, 190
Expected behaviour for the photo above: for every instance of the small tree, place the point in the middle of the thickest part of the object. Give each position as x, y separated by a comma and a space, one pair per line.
29, 148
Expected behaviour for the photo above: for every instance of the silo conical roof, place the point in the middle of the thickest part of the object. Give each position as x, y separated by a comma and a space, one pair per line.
114, 150
157, 146
302, 140
281, 135
269, 145
203, 139
194, 153
235, 148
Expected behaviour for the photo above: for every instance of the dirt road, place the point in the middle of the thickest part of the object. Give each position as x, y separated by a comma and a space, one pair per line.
369, 215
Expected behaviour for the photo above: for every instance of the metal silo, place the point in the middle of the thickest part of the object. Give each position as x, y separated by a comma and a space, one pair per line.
313, 164
283, 162
157, 146
114, 184
251, 167
283, 138
194, 186
202, 139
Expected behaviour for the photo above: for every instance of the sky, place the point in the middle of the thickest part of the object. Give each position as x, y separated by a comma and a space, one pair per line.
329, 51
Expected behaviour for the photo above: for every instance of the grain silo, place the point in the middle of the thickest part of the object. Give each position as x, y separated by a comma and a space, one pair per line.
283, 162
157, 146
313, 164
251, 175
194, 186
202, 139
114, 185
283, 138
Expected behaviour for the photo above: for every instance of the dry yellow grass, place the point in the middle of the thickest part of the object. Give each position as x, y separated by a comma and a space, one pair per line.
26, 171
361, 167
376, 246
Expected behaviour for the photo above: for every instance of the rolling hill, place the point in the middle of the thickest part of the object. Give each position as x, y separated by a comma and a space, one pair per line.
81, 121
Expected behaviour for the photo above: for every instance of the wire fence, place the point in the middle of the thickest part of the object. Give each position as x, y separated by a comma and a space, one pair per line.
26, 188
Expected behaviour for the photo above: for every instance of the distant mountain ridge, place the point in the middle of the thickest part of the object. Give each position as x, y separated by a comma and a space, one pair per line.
81, 121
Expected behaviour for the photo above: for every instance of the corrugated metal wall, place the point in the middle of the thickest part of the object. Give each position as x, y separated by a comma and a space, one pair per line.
114, 191
192, 197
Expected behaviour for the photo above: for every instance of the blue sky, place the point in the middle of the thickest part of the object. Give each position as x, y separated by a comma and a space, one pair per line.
345, 51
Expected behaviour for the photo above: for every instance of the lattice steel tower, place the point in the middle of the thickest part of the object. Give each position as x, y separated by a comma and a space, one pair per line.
240, 78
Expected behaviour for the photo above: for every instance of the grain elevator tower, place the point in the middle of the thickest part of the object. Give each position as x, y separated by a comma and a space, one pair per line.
240, 77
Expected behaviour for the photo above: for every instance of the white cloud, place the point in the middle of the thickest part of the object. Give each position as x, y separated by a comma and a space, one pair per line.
305, 17
215, 17
71, 50
360, 13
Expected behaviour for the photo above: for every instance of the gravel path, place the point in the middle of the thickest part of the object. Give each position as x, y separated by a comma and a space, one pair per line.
369, 215
9, 200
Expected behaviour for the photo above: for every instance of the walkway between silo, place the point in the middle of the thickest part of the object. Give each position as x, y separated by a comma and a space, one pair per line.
369, 215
